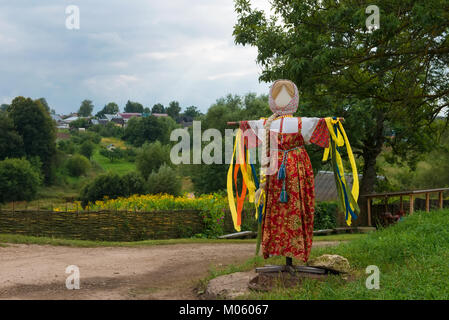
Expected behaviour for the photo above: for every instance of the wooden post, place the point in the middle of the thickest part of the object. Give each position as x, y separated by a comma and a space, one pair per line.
411, 204
402, 205
440, 200
368, 206
427, 201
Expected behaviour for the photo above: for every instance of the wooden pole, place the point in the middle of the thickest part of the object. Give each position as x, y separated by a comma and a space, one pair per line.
427, 202
236, 123
369, 211
411, 204
440, 200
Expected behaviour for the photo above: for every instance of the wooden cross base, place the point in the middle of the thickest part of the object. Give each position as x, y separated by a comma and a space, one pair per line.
290, 269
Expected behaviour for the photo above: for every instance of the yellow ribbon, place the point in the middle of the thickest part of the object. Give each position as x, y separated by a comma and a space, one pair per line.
340, 141
231, 200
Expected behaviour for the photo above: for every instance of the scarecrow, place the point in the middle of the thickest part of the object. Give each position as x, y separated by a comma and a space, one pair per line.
284, 191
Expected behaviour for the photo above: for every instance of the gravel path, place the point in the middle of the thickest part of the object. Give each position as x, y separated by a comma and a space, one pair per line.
153, 272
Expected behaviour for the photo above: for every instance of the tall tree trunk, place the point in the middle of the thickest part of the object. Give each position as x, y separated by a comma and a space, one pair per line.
372, 149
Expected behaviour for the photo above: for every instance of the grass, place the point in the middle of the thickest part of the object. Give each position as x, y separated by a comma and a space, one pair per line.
15, 238
412, 256
120, 166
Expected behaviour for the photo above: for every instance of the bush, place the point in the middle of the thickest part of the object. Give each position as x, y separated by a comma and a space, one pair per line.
87, 149
67, 146
165, 180
112, 185
132, 183
151, 157
325, 215
77, 165
19, 180
80, 137
109, 129
113, 154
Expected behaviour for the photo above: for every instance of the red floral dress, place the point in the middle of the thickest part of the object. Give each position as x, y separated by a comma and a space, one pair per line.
287, 228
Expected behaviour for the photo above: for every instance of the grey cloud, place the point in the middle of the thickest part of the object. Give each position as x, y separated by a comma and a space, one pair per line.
147, 51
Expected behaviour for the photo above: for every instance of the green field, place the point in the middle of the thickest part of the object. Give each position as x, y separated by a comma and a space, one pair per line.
412, 256
120, 166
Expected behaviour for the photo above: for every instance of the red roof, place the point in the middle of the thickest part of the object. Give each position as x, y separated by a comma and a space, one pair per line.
127, 115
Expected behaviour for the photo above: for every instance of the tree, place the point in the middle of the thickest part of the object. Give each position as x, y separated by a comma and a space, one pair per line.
45, 104
113, 154
79, 123
33, 123
164, 180
77, 165
173, 110
133, 107
87, 149
19, 180
4, 107
211, 178
11, 143
86, 108
151, 157
110, 108
112, 185
158, 108
391, 78
192, 112
146, 129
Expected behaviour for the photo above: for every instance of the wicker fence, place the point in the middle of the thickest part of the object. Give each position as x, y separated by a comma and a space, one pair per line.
103, 226
112, 225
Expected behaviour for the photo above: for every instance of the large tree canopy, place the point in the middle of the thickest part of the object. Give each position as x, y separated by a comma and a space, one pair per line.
110, 108
86, 108
393, 79
133, 107
33, 123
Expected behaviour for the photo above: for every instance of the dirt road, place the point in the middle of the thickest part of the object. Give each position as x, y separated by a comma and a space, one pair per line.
153, 272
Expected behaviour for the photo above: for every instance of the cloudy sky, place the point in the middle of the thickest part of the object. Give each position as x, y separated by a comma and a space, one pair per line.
147, 51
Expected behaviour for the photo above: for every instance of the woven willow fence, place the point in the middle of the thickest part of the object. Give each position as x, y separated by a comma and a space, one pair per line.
103, 226
111, 225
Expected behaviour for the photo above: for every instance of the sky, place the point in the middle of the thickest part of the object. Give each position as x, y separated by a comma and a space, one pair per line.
147, 51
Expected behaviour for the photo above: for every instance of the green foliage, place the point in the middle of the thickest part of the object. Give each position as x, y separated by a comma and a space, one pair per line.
110, 108
380, 81
34, 124
146, 129
113, 154
11, 143
80, 137
133, 107
158, 108
132, 183
192, 112
212, 178
173, 110
19, 180
111, 185
80, 123
67, 146
86, 108
164, 180
108, 130
77, 165
87, 149
151, 157
325, 215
